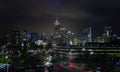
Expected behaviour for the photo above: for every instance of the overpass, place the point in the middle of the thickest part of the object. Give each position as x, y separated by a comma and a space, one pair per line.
86, 49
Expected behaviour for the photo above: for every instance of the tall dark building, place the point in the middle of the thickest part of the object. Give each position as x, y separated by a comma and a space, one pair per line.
59, 35
57, 32
15, 37
87, 35
24, 35
34, 37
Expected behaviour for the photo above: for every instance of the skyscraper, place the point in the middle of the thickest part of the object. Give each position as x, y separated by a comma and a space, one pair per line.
34, 37
87, 35
61, 36
15, 37
107, 33
57, 32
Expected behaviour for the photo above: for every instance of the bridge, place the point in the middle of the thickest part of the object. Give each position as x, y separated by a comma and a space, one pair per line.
86, 49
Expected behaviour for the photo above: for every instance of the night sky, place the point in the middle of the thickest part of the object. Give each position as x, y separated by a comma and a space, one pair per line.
39, 15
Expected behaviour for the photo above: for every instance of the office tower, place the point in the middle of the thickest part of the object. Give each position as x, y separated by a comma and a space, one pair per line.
34, 37
87, 35
57, 35
15, 37
107, 33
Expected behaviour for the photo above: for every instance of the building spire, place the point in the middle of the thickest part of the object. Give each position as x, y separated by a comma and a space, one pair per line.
56, 21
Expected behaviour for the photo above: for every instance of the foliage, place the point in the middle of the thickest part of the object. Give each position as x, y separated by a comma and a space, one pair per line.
3, 59
31, 59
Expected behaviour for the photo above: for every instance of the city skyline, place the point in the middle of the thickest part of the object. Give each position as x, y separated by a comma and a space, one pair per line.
39, 16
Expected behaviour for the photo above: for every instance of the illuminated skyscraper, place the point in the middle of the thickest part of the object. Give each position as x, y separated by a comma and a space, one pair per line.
107, 33
61, 36
59, 33
87, 35
57, 26
56, 22
28, 36
56, 34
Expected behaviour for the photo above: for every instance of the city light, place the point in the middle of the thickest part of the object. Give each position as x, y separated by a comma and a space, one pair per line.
63, 44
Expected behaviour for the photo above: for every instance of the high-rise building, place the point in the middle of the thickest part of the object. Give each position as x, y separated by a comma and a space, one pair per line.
87, 35
57, 25
28, 36
41, 36
99, 39
61, 36
75, 41
15, 37
24, 35
58, 33
34, 37
107, 33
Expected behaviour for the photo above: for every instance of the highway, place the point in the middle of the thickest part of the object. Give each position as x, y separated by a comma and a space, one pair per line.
79, 49
94, 57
